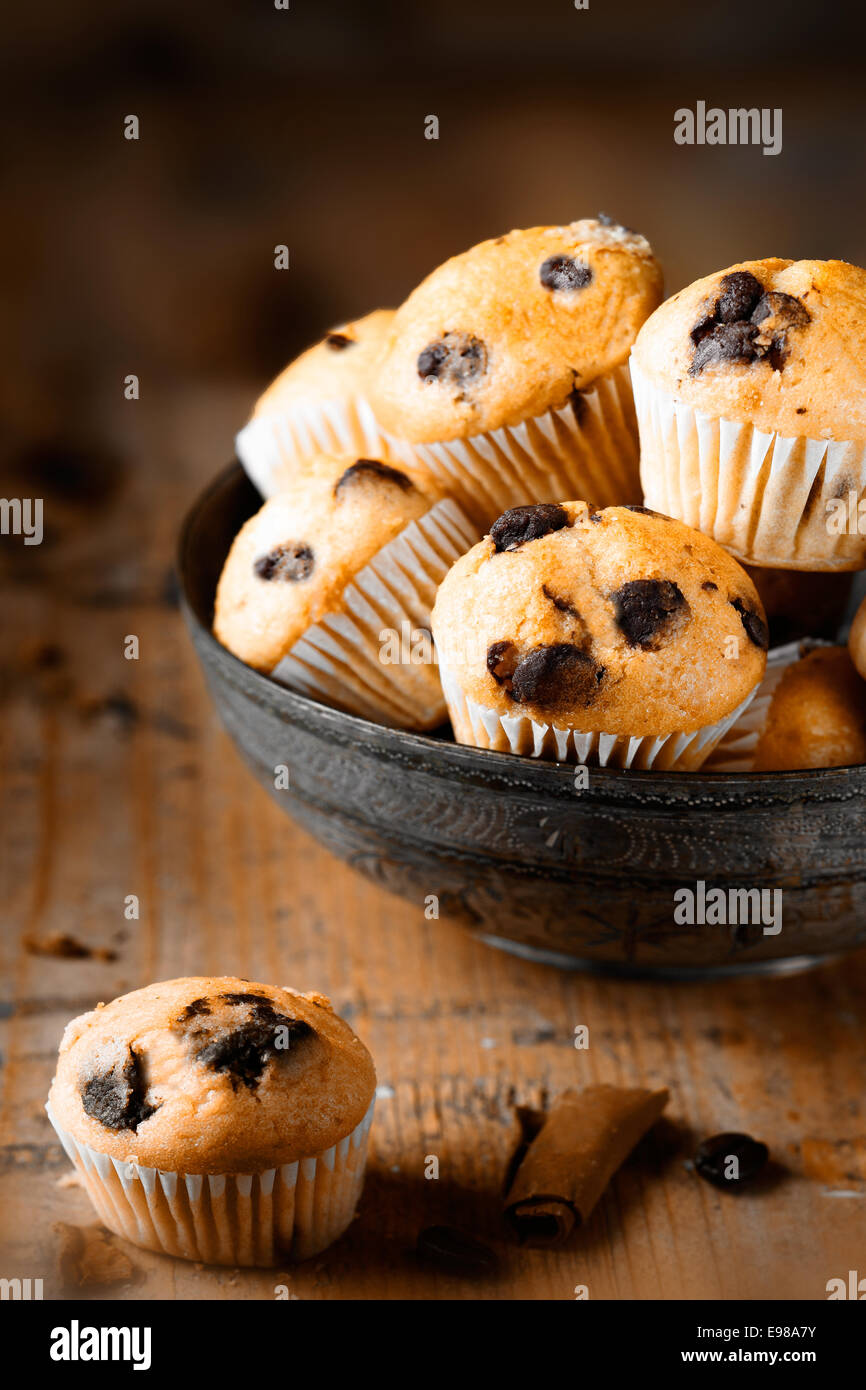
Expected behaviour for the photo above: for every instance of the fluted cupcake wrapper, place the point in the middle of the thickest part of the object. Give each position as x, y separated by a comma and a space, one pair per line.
375, 657
585, 452
274, 448
482, 727
270, 1218
765, 497
735, 752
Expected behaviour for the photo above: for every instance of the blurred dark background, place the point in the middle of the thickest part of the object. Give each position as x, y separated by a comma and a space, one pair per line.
306, 127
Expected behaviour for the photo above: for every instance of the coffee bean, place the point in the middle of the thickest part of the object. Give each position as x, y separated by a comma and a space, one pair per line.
521, 524
371, 470
116, 1098
650, 612
456, 1250
754, 624
559, 676
740, 292
713, 1160
289, 563
727, 342
564, 273
456, 357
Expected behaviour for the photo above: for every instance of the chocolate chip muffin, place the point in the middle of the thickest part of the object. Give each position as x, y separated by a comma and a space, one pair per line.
857, 640
751, 399
216, 1119
506, 369
329, 588
810, 711
615, 636
319, 403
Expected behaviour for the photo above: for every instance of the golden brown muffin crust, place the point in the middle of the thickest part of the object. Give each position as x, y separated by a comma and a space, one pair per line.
817, 716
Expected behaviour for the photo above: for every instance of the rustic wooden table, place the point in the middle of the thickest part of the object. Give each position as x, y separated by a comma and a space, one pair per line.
117, 780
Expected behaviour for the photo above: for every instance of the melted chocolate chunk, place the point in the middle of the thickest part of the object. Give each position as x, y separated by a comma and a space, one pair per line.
643, 511
726, 342
650, 612
521, 524
710, 586
456, 357
754, 624
564, 273
501, 662
338, 341
288, 563
116, 1098
197, 1009
607, 221
748, 324
559, 676
371, 470
740, 293
244, 1052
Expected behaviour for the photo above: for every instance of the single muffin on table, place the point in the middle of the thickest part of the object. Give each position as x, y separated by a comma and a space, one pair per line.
318, 404
809, 712
614, 636
330, 586
506, 371
216, 1119
750, 387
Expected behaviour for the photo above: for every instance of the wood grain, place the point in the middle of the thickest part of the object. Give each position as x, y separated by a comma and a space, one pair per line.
117, 781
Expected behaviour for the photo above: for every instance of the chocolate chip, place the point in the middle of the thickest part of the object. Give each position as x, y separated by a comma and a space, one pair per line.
338, 341
607, 221
258, 1001
521, 524
753, 623
291, 563
713, 1160
740, 293
371, 470
455, 1250
501, 662
244, 1052
727, 342
564, 273
456, 357
116, 1098
710, 586
579, 407
650, 612
557, 676
785, 309
643, 511
197, 1009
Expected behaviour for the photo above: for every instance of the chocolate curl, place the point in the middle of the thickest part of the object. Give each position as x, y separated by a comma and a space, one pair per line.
584, 1139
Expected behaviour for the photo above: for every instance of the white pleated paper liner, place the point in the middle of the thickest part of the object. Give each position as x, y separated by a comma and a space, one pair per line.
590, 452
763, 496
735, 752
274, 448
283, 1214
348, 658
482, 727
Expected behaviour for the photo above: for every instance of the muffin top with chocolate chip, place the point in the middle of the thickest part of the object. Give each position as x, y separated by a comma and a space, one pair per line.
618, 621
511, 328
334, 368
779, 344
290, 563
211, 1075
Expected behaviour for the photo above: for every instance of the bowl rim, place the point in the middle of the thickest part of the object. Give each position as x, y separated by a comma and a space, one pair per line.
485, 762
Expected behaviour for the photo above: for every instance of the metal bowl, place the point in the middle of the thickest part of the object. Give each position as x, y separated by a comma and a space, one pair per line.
596, 877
